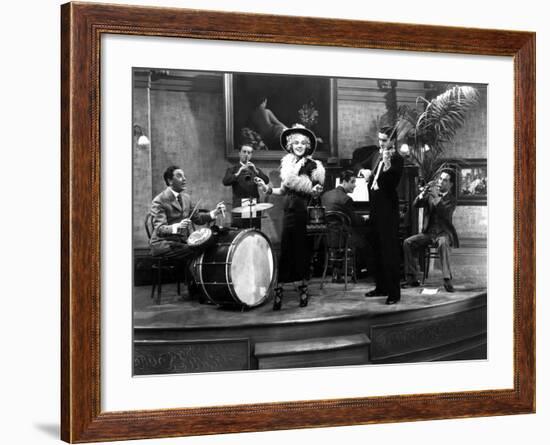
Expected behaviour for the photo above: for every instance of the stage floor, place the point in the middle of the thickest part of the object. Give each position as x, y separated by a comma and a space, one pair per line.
332, 302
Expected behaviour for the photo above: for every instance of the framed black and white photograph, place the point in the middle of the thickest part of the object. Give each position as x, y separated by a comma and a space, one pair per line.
225, 280
253, 246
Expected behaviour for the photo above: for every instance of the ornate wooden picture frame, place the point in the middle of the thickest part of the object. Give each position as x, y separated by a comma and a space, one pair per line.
82, 27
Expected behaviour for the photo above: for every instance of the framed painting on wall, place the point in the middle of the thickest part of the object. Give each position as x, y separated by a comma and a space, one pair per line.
260, 106
472, 182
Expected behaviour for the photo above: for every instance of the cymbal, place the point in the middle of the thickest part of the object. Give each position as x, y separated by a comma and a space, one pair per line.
253, 208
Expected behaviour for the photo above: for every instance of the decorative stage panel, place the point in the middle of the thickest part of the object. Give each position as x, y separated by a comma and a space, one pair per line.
336, 329
177, 356
397, 342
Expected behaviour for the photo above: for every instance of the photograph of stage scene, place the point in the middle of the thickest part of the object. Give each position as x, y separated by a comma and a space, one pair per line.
285, 221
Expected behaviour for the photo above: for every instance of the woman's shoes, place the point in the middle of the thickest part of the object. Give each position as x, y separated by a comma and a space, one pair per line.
376, 293
278, 298
303, 295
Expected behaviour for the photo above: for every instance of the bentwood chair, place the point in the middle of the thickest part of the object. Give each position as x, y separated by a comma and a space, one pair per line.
339, 253
430, 253
160, 264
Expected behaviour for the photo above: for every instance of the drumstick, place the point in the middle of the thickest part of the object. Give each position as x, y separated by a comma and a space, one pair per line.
194, 209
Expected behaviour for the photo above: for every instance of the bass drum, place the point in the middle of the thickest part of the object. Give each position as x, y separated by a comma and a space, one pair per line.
239, 270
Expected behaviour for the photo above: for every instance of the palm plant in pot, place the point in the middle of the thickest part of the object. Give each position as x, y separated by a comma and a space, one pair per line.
429, 129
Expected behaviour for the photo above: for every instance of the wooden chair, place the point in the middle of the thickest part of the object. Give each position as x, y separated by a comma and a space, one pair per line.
338, 251
430, 253
160, 264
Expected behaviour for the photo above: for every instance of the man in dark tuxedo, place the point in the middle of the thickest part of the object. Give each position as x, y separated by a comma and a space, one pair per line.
171, 216
363, 157
383, 179
241, 179
439, 204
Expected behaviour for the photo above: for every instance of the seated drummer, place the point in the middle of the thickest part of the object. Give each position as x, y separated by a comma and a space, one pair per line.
241, 179
171, 216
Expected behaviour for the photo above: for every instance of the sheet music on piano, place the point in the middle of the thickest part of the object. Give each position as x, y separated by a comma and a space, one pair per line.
361, 192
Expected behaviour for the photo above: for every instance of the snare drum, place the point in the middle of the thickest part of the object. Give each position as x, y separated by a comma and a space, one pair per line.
200, 238
238, 270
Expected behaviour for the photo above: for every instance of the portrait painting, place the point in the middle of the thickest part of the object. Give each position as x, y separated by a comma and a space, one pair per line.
263, 105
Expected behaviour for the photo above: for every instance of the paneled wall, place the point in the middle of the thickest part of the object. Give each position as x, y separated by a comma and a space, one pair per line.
361, 106
187, 128
471, 143
142, 179
471, 139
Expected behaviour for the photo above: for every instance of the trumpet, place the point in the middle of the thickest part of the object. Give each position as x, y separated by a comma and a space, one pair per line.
429, 187
248, 173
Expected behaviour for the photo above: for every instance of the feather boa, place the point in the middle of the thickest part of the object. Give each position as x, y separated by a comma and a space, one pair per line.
302, 183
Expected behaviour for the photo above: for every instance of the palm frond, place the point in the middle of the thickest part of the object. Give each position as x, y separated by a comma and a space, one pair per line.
437, 125
446, 113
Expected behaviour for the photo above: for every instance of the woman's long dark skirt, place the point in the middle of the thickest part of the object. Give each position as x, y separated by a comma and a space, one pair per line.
296, 246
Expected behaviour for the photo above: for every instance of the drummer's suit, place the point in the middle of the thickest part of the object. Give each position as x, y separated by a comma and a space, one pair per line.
165, 211
243, 186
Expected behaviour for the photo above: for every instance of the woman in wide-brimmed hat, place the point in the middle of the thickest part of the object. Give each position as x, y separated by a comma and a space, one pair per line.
302, 178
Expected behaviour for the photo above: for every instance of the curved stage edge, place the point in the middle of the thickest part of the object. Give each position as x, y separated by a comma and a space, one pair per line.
336, 328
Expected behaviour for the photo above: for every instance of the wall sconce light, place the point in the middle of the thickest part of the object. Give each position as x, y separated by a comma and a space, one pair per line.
143, 141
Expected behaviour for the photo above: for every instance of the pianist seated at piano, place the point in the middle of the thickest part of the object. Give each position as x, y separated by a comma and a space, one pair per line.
340, 199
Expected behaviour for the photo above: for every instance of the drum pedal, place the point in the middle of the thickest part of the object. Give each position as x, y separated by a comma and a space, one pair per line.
312, 228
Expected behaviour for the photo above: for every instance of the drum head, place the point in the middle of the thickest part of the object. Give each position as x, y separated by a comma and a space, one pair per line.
199, 237
252, 268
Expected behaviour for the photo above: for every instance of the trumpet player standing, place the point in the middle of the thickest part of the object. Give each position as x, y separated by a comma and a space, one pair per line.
241, 179
437, 228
